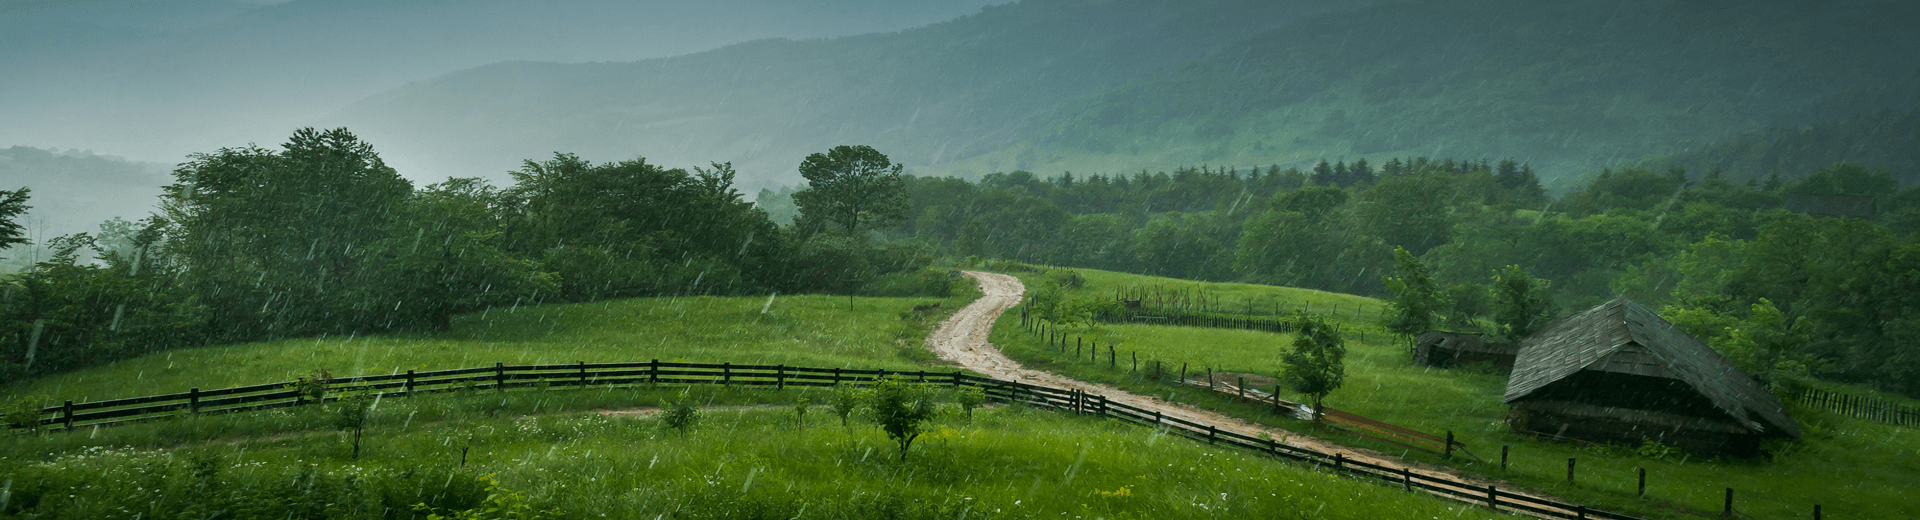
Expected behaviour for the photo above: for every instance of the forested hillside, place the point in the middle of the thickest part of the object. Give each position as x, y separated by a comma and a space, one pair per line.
1881, 140
1113, 87
1567, 86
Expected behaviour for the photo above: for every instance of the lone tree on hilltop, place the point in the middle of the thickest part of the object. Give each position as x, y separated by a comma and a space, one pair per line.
1316, 366
852, 186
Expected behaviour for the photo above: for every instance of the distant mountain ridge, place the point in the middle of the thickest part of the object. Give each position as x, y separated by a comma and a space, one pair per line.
930, 95
1122, 85
158, 79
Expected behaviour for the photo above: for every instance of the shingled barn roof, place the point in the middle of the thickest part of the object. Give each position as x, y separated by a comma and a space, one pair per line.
1622, 337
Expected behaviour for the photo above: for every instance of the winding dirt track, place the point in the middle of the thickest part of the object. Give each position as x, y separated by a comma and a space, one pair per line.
963, 339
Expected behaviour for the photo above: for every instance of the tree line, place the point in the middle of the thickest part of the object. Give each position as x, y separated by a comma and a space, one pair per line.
321, 237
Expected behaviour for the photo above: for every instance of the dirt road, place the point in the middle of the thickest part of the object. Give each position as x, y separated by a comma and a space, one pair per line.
963, 339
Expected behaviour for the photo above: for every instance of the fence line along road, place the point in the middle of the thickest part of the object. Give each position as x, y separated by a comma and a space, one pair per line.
500, 377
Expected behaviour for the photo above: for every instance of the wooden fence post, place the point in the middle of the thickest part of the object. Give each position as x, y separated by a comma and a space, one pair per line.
780, 377
726, 374
836, 376
583, 374
1339, 462
1211, 432
1728, 511
1183, 373
409, 382
1113, 357
1136, 361
1449, 453
1406, 478
66, 412
1493, 499
1242, 388
193, 400
1276, 398
1570, 470
1816, 512
653, 374
1643, 482
1503, 457
500, 377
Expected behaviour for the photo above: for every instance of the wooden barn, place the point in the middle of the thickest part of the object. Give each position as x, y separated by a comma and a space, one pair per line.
1619, 373
1442, 349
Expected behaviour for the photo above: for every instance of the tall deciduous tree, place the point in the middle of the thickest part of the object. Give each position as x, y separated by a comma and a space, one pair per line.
1520, 304
1317, 365
268, 237
1417, 302
852, 186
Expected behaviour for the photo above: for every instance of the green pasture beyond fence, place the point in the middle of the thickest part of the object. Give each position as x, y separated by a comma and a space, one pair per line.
500, 377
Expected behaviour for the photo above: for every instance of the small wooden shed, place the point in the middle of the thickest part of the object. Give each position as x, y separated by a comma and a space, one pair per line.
1442, 349
1619, 373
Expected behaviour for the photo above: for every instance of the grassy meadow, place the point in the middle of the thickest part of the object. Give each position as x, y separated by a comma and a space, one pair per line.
746, 457
802, 330
1852, 468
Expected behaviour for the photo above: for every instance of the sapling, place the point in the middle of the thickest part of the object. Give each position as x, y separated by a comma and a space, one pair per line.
846, 399
902, 409
800, 410
970, 398
680, 414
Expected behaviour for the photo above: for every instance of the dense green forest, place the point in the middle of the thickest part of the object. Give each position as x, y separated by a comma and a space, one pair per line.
321, 237
1786, 294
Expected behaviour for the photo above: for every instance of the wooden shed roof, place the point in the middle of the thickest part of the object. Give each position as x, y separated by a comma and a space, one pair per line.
1623, 337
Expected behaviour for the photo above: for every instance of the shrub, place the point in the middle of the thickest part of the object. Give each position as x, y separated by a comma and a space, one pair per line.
680, 414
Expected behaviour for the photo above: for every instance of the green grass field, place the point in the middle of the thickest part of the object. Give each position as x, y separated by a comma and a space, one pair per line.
815, 331
738, 462
1852, 468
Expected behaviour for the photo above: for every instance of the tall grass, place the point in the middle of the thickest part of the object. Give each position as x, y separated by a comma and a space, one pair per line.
738, 462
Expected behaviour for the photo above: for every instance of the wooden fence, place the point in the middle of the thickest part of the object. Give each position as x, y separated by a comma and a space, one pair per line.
500, 377
1860, 407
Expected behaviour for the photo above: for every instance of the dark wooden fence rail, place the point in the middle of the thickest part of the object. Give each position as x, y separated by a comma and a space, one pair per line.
1861, 407
500, 377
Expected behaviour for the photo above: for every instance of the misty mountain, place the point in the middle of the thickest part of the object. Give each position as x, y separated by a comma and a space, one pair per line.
74, 191
1122, 85
930, 95
1881, 140
158, 79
